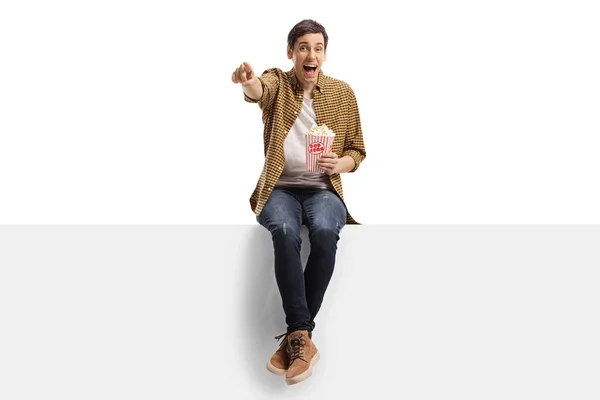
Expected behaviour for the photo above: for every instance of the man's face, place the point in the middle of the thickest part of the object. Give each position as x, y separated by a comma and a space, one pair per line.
308, 55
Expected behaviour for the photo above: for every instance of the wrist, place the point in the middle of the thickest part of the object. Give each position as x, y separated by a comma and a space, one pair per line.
345, 164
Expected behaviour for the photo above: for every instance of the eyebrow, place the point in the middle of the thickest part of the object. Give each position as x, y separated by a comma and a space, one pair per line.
317, 44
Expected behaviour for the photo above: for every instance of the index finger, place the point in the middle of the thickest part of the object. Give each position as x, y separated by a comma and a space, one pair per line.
243, 73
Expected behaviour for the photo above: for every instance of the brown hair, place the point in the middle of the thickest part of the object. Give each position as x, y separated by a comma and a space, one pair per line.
302, 28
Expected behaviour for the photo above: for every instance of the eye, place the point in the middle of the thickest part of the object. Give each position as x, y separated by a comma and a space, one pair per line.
302, 48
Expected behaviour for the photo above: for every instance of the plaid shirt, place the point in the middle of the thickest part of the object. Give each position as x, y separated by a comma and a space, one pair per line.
335, 106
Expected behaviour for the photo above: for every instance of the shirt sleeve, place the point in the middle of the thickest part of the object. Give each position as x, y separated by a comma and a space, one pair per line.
270, 84
354, 145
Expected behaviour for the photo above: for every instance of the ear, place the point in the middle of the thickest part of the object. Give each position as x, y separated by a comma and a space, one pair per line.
290, 53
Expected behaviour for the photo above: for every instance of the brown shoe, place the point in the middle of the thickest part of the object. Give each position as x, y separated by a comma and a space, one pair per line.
278, 364
303, 356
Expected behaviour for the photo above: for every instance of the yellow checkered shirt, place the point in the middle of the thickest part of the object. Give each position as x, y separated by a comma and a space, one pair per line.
335, 106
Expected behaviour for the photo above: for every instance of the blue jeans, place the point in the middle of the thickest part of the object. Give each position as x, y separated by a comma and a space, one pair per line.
324, 214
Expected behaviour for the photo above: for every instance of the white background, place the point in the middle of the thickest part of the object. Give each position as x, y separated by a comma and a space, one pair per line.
123, 112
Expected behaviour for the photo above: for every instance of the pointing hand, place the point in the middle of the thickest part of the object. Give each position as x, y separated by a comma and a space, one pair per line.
244, 74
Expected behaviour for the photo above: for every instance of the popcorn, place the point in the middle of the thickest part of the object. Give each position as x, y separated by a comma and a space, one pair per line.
322, 130
319, 141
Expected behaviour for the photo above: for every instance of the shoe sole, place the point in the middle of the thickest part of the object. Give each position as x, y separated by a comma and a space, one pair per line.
306, 374
277, 371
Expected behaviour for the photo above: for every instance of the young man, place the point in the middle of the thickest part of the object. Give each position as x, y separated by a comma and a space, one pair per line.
287, 196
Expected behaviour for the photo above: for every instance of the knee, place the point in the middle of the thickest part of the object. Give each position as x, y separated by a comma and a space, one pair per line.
284, 231
325, 234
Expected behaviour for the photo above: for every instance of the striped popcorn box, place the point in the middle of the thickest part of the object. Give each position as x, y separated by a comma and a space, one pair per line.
319, 141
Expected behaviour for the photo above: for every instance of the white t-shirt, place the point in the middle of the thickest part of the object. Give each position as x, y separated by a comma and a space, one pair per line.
294, 149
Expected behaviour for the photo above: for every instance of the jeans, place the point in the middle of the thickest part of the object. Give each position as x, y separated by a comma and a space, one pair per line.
324, 214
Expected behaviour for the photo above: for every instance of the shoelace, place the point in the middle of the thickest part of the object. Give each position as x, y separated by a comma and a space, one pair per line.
283, 343
297, 344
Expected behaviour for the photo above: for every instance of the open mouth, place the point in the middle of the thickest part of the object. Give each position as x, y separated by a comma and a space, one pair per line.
310, 69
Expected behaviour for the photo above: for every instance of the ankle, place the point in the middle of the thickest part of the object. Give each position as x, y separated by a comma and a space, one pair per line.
309, 332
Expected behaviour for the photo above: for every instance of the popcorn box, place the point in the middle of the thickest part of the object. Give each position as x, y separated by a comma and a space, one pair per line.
319, 141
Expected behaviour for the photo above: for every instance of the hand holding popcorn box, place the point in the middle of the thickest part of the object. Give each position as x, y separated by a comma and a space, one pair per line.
319, 141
